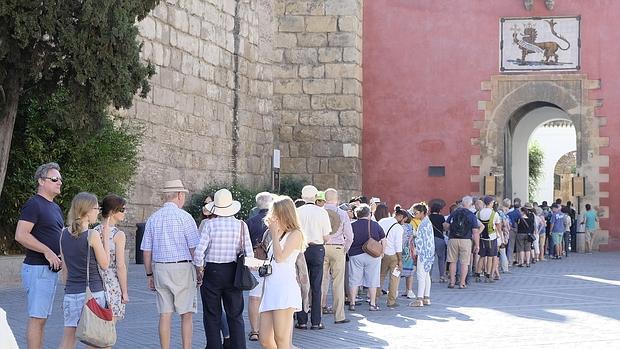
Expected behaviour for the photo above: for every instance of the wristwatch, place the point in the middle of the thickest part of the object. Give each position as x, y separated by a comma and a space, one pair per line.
149, 274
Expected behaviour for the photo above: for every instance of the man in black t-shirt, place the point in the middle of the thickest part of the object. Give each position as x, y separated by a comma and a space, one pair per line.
38, 230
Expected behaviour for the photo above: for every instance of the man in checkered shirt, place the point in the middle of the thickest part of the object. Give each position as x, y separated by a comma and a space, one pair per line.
170, 237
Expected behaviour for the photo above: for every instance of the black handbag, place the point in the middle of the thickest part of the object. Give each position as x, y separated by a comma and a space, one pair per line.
244, 280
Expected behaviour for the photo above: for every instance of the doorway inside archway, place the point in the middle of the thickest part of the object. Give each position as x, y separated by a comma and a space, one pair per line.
550, 128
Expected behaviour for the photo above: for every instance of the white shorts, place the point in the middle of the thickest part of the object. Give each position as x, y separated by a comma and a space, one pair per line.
364, 270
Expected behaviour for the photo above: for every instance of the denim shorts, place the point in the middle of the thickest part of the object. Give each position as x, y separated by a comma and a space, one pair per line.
40, 284
73, 303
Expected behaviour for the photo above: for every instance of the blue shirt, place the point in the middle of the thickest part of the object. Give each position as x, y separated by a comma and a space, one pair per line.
590, 218
514, 216
557, 220
360, 235
472, 224
48, 223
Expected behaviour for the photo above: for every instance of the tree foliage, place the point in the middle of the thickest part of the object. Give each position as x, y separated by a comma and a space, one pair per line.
536, 157
100, 161
88, 48
245, 195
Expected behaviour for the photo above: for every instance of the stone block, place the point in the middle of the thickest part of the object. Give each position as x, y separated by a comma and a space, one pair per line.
351, 150
293, 165
351, 118
194, 25
313, 8
318, 86
321, 24
288, 118
147, 28
349, 24
286, 133
318, 102
318, 118
351, 87
344, 102
330, 54
296, 102
343, 7
301, 56
344, 165
194, 85
320, 149
287, 86
346, 135
284, 71
293, 24
312, 39
178, 19
352, 55
311, 71
313, 166
343, 70
285, 40
300, 149
310, 133
350, 181
163, 97
343, 39
189, 44
324, 181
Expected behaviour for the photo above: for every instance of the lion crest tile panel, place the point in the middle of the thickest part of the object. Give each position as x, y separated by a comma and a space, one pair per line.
539, 43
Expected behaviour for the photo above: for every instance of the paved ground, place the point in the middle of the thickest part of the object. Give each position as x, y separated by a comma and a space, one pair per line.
570, 303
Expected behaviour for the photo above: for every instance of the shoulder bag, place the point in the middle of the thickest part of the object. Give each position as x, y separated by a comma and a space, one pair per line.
96, 325
244, 280
372, 247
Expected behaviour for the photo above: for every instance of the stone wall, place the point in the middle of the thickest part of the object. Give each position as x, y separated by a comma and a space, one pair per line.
317, 76
208, 117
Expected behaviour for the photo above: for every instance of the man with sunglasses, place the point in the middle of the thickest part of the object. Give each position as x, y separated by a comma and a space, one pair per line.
38, 230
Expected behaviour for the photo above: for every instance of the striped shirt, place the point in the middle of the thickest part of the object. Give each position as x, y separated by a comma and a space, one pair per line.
220, 241
170, 233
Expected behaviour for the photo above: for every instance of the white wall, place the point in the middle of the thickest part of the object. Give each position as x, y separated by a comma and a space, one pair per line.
554, 141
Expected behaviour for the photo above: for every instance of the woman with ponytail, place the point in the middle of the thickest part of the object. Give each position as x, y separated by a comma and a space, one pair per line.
76, 242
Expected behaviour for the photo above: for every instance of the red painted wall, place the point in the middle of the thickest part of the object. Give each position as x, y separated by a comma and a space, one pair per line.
423, 65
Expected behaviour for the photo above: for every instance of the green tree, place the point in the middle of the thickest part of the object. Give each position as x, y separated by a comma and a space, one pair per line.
86, 47
98, 161
536, 157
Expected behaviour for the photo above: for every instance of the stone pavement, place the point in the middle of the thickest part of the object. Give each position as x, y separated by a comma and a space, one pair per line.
570, 303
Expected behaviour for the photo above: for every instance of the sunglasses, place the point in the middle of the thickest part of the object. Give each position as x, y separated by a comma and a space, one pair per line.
53, 179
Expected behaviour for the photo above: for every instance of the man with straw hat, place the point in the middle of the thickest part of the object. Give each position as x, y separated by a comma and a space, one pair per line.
170, 237
215, 258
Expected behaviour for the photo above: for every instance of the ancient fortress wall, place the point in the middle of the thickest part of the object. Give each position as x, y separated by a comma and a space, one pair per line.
318, 91
238, 78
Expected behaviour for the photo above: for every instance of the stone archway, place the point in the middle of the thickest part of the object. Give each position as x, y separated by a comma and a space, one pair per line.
512, 97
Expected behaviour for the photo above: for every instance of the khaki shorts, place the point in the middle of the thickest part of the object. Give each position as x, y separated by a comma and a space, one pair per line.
175, 284
459, 250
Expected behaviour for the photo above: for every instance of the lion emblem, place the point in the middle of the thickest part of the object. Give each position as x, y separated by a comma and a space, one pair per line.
527, 43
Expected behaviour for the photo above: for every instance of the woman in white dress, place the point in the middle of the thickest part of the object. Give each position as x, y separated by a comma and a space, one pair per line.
281, 295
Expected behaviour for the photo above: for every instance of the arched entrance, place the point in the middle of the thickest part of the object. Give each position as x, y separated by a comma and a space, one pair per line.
520, 103
520, 129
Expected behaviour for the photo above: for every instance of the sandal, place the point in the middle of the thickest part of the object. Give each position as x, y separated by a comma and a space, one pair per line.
351, 307
417, 303
328, 310
463, 287
374, 308
426, 301
253, 336
450, 285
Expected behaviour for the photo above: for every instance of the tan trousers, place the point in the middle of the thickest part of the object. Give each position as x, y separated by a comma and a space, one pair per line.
333, 265
388, 264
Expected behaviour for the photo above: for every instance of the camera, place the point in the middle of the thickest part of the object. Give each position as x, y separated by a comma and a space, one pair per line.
264, 270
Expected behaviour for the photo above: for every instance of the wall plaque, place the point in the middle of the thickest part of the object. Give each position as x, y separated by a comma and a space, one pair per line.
539, 43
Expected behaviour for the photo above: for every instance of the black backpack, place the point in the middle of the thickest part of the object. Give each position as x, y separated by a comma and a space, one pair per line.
459, 224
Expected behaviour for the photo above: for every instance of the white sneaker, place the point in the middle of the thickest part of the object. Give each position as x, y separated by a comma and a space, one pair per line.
410, 294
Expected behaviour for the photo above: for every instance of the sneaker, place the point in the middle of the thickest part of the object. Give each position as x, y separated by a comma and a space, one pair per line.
426, 301
410, 294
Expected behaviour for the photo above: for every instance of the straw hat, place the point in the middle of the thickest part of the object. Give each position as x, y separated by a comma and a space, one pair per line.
223, 204
174, 186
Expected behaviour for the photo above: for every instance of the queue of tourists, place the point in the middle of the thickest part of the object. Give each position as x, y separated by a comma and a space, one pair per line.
289, 255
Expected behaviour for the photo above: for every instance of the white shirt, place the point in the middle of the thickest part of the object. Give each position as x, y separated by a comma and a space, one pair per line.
394, 240
485, 215
314, 222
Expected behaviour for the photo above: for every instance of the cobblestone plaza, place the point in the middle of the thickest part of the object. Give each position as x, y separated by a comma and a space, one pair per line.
572, 303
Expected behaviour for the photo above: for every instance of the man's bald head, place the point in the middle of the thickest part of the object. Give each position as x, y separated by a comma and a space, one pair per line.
331, 196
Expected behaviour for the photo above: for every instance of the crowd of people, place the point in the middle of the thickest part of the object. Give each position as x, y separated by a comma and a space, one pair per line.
303, 249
